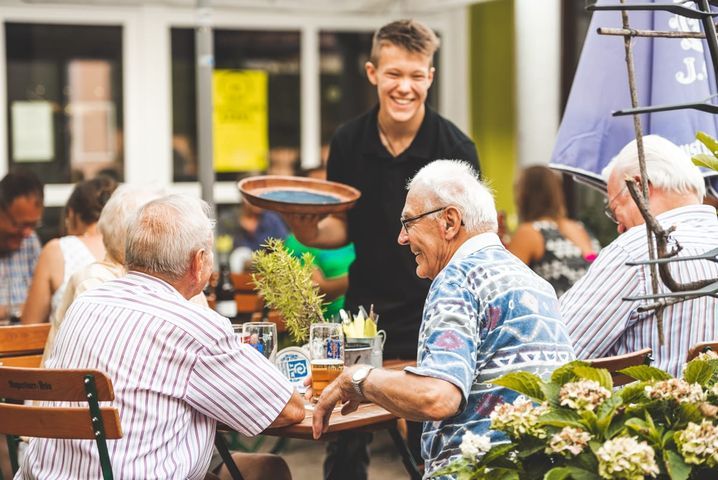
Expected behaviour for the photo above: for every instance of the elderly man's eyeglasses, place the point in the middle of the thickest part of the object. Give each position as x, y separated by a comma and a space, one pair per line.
406, 222
608, 209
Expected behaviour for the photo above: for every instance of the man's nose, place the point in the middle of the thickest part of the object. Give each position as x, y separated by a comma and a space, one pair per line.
403, 238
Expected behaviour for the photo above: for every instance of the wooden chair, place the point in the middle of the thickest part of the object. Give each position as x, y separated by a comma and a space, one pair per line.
90, 423
618, 362
702, 347
250, 305
22, 345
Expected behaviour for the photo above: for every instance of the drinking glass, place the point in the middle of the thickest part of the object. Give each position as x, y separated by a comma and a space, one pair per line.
262, 336
326, 348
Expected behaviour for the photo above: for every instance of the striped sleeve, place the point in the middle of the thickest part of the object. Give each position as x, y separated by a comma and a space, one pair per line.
238, 387
592, 309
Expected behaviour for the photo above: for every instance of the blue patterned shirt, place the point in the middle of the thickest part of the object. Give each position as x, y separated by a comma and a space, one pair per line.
487, 314
16, 269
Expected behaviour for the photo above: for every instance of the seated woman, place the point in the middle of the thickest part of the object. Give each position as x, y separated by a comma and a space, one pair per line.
61, 257
557, 248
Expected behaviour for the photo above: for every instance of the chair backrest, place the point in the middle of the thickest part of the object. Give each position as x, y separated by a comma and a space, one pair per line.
618, 362
92, 422
247, 299
701, 348
22, 345
250, 304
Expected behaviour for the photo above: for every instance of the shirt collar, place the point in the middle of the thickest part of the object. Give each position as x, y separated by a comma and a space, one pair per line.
665, 218
420, 147
697, 209
154, 283
474, 244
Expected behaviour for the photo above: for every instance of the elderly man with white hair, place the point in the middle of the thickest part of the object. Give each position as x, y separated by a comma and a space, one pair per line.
599, 321
486, 314
177, 367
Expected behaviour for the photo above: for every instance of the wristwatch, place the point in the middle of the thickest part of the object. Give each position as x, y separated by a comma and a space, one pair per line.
358, 378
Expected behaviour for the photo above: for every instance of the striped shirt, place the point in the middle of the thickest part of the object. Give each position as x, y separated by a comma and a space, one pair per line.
602, 324
487, 314
16, 270
176, 367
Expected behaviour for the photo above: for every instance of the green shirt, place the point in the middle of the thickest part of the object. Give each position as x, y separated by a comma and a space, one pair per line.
332, 263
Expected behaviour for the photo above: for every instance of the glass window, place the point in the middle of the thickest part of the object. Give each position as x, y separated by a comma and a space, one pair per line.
64, 91
345, 90
263, 77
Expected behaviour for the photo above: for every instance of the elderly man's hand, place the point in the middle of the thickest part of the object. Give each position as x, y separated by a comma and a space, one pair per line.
340, 389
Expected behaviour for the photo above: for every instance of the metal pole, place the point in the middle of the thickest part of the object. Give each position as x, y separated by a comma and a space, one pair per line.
205, 65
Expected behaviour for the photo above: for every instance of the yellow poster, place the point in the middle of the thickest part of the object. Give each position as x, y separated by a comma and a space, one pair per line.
240, 120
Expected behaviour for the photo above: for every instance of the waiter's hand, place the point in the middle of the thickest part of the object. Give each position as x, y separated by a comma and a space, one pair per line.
303, 226
340, 389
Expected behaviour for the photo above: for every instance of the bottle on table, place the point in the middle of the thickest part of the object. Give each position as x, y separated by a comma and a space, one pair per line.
224, 293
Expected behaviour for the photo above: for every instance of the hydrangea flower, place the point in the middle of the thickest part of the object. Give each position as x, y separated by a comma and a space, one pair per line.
472, 445
569, 441
676, 389
707, 355
583, 395
519, 419
624, 458
699, 443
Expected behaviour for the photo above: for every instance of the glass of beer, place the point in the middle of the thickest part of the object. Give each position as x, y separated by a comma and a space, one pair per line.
326, 346
262, 336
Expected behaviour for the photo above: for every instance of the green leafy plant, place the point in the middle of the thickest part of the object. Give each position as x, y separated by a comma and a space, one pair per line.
707, 160
286, 284
576, 426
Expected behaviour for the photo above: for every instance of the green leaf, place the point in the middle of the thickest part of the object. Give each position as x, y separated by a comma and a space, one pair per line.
562, 418
575, 473
551, 391
565, 373
600, 375
606, 411
633, 393
705, 160
638, 426
700, 372
523, 382
710, 142
676, 467
689, 412
558, 473
645, 373
497, 452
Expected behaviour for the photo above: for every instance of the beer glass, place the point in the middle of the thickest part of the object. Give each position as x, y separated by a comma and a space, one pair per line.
262, 336
326, 348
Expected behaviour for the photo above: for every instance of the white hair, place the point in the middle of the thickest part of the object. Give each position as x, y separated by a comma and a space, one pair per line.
167, 233
668, 166
456, 183
119, 211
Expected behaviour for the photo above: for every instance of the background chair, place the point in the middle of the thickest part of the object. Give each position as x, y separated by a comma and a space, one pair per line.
618, 362
91, 423
22, 345
701, 348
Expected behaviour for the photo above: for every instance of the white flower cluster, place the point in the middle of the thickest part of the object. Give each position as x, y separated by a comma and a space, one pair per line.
699, 443
519, 419
472, 445
676, 389
624, 458
583, 395
569, 441
707, 355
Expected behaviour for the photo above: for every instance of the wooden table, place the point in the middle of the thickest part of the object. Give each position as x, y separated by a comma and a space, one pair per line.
368, 417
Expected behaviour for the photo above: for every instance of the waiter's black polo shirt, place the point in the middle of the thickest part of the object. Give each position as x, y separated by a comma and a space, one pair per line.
384, 272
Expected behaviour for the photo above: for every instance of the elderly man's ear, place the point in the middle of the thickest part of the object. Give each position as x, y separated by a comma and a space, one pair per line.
452, 224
